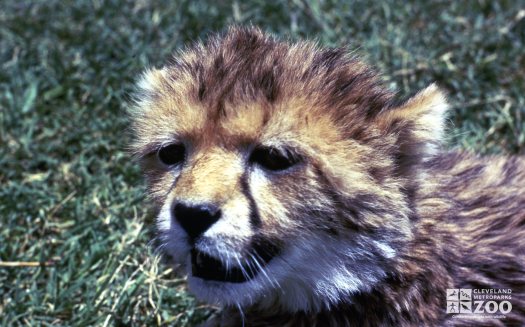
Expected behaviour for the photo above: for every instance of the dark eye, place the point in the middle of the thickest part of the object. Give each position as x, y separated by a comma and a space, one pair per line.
172, 154
272, 159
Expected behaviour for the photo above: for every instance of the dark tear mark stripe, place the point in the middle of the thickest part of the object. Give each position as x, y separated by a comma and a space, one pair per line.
172, 186
255, 219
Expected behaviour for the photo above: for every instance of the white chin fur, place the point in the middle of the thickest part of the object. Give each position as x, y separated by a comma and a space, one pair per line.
309, 276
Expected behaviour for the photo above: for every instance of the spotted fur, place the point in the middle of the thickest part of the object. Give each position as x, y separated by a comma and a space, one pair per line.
372, 222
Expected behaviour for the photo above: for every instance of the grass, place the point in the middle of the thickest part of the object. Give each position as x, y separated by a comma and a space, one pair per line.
71, 198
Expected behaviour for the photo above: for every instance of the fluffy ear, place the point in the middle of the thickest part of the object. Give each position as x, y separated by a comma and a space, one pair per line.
417, 125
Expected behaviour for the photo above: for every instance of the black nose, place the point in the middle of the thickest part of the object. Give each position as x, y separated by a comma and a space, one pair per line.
196, 219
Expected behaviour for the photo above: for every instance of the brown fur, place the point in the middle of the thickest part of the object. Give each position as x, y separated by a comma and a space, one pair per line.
371, 170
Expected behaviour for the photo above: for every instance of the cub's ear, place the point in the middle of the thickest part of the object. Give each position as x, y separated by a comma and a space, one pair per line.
417, 125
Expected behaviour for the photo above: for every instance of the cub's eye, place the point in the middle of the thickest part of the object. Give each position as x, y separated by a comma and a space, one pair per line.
272, 159
172, 154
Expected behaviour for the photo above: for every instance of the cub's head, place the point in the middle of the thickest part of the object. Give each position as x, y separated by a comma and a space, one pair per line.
283, 173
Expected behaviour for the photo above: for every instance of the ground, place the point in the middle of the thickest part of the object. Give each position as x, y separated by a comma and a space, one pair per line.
71, 198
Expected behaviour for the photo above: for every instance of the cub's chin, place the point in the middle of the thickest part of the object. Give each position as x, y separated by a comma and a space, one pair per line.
309, 276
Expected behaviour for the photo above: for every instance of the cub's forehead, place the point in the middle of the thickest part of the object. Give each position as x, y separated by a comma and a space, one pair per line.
246, 83
175, 115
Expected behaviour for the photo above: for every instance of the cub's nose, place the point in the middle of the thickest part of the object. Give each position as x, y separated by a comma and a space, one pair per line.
196, 219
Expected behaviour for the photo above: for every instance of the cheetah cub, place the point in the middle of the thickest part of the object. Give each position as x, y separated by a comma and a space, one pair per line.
293, 189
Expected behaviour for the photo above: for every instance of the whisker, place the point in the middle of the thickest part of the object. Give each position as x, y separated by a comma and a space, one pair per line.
272, 280
250, 266
159, 250
241, 312
227, 263
241, 267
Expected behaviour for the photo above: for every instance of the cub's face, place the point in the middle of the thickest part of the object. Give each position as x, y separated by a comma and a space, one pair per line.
282, 174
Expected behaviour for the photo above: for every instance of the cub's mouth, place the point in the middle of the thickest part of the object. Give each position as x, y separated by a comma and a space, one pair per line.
207, 267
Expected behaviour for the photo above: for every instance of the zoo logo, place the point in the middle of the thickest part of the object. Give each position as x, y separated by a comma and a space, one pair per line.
459, 300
